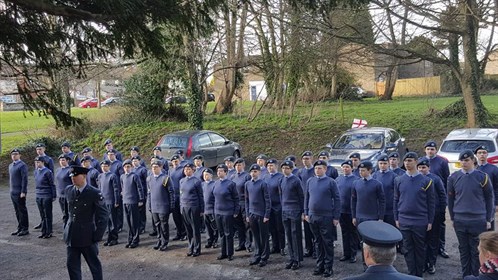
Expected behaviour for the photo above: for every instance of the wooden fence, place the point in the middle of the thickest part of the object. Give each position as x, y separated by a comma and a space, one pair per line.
413, 87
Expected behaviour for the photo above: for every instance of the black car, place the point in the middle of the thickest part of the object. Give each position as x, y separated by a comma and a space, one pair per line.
213, 146
369, 142
181, 99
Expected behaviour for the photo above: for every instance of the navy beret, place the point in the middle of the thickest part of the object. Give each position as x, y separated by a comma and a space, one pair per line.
222, 166
410, 155
481, 147
111, 151
66, 156
40, 158
208, 170
320, 162
107, 141
157, 148
86, 158
347, 162
423, 161
156, 161
136, 157
383, 157
288, 163
379, 234
307, 154
179, 152
291, 158
40, 145
86, 150
198, 157
175, 157
66, 144
324, 154
355, 155
366, 164
394, 155
255, 167
189, 164
430, 143
272, 160
105, 162
135, 148
77, 170
465, 154
239, 160
230, 159
15, 150
262, 156
126, 162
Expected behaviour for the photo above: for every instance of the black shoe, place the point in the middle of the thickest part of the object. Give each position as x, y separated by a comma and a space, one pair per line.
308, 254
127, 245
196, 254
154, 233
208, 245
37, 226
262, 263
240, 248
113, 242
249, 249
274, 251
142, 231
176, 238
296, 265
41, 236
431, 269
344, 258
47, 236
230, 258
16, 232
221, 257
157, 246
23, 232
106, 243
189, 254
133, 245
328, 272
443, 254
318, 271
352, 260
289, 265
163, 248
254, 262
215, 245
282, 252
183, 238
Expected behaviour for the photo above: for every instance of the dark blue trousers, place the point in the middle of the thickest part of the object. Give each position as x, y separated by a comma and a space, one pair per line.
178, 219
192, 220
133, 220
243, 229
433, 240
467, 233
45, 208
112, 229
161, 221
277, 230
225, 229
309, 239
323, 231
90, 254
212, 230
350, 238
21, 211
294, 234
261, 237
414, 248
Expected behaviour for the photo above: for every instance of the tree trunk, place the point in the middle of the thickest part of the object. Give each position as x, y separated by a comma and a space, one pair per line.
194, 110
390, 83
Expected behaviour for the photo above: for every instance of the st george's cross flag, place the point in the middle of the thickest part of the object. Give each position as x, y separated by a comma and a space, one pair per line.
359, 123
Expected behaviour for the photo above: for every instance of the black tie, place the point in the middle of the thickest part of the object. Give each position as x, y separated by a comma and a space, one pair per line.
365, 179
77, 193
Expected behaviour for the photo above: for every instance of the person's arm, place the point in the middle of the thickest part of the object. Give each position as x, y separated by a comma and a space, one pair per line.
300, 194
488, 199
337, 202
50, 181
431, 203
24, 179
382, 201
451, 195
354, 201
396, 200
266, 196
235, 198
113, 181
200, 195
101, 217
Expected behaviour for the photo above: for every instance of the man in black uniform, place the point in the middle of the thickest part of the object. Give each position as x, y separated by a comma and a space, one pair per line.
85, 226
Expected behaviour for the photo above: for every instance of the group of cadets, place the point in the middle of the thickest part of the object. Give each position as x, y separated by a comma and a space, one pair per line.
262, 203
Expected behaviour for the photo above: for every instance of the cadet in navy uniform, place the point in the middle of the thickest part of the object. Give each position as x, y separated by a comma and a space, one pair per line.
471, 206
157, 151
108, 147
258, 208
368, 201
481, 153
85, 226
350, 240
87, 152
229, 162
175, 175
439, 167
306, 172
241, 225
93, 174
226, 208
261, 161
379, 249
192, 207
117, 168
272, 180
322, 209
133, 197
135, 153
386, 177
331, 171
162, 203
141, 171
108, 184
394, 164
40, 151
62, 180
45, 195
414, 207
209, 220
433, 234
293, 158
66, 149
18, 181
356, 159
199, 167
292, 200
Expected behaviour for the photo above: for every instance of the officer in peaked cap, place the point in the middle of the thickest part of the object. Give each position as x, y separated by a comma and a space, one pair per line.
85, 225
379, 248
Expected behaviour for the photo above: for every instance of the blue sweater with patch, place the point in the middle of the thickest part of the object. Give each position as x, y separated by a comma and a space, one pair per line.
291, 194
387, 180
258, 201
191, 194
414, 200
162, 194
18, 177
132, 188
322, 198
367, 199
207, 188
108, 183
226, 198
345, 185
44, 182
272, 181
62, 180
240, 180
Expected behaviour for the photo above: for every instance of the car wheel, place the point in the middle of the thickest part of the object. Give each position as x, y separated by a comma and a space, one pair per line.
88, 106
236, 154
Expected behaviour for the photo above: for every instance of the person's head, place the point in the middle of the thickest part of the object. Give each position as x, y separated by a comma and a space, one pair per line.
87, 152
383, 163
78, 175
423, 166
307, 159
86, 162
287, 166
180, 154
127, 166
111, 154
291, 158
105, 165
198, 160
347, 167
430, 148
320, 167
394, 160
488, 246
482, 154
221, 171
261, 160
365, 169
466, 159
356, 159
157, 151
271, 165
134, 151
240, 165
66, 147
229, 161
410, 161
324, 155
255, 170
136, 161
40, 149
15, 154
108, 144
188, 169
379, 242
39, 162
156, 168
207, 174
175, 161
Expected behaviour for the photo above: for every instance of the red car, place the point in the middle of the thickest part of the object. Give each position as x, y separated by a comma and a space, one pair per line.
89, 103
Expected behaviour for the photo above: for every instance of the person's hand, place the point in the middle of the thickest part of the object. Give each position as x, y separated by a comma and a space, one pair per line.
235, 215
429, 227
397, 224
202, 214
265, 220
140, 204
354, 222
303, 217
247, 219
23, 195
307, 218
488, 225
380, 220
335, 222
116, 205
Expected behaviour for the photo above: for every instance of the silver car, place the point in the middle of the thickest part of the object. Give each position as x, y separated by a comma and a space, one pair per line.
469, 138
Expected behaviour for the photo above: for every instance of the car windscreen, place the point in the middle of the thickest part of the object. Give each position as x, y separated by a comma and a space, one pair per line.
174, 142
456, 146
366, 141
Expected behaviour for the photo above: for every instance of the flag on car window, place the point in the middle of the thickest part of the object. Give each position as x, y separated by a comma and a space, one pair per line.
359, 123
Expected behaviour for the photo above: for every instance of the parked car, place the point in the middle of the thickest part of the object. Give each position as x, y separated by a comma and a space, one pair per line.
469, 138
178, 99
210, 97
89, 103
213, 146
369, 142
111, 101
359, 91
